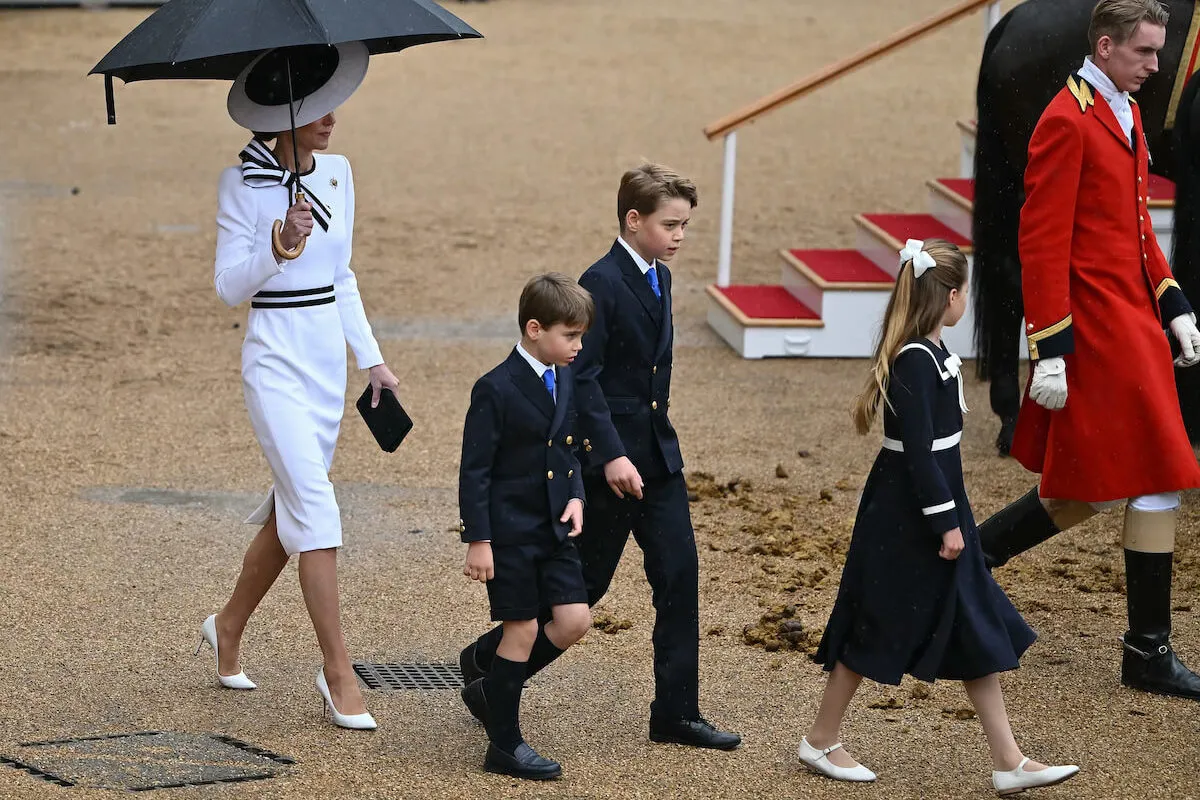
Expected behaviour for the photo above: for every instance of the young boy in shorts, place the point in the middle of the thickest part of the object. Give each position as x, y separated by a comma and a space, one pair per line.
521, 500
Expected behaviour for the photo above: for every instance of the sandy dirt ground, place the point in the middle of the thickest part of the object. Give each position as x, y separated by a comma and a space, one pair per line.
127, 460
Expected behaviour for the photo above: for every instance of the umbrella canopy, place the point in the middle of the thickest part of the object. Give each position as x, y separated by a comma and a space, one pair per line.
217, 39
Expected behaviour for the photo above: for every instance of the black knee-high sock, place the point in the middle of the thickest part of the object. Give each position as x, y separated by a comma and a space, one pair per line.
502, 688
543, 654
485, 647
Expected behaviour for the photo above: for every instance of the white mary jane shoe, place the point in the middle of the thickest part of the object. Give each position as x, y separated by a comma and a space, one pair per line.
818, 761
1018, 780
357, 722
208, 633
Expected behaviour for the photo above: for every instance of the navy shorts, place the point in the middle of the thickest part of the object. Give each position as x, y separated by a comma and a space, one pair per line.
532, 577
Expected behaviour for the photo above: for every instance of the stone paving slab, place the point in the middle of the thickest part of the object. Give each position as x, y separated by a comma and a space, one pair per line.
146, 760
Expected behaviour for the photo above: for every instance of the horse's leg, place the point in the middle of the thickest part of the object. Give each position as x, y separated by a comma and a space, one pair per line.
996, 278
1004, 350
1186, 240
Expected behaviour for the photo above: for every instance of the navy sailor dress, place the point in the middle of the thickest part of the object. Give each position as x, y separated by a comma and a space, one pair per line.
901, 608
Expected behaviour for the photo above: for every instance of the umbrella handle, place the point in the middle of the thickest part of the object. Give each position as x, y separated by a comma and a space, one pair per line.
277, 243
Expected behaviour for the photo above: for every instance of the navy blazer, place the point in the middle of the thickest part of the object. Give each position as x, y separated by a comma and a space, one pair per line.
519, 469
623, 373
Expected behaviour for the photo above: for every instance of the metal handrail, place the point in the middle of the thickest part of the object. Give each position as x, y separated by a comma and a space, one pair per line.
727, 126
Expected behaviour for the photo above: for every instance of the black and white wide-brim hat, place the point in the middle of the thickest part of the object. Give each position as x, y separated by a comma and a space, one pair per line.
323, 77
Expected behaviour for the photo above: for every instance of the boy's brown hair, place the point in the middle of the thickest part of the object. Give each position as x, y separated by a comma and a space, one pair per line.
1118, 19
643, 188
553, 298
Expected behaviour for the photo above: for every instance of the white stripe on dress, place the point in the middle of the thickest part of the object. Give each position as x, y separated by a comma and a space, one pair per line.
944, 443
931, 510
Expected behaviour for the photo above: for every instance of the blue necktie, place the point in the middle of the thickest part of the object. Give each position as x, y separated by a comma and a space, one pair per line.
548, 379
652, 276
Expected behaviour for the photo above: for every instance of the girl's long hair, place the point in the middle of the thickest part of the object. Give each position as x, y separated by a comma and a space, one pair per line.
915, 309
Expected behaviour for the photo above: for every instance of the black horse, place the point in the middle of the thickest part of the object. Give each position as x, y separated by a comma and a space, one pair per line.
1026, 60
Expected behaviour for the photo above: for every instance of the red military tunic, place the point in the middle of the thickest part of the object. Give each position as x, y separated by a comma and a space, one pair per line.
1099, 293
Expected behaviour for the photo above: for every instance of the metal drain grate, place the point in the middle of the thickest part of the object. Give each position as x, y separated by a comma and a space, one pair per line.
409, 677
146, 760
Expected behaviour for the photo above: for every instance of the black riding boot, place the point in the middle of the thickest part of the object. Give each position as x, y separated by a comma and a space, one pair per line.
1149, 663
1014, 529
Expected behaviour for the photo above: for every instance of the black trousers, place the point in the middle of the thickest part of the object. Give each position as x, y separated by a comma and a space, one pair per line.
661, 524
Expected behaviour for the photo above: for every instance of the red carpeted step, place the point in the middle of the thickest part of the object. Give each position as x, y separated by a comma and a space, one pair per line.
1162, 191
764, 305
838, 269
895, 229
962, 189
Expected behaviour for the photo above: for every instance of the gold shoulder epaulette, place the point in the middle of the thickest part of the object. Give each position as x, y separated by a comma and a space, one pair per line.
1082, 91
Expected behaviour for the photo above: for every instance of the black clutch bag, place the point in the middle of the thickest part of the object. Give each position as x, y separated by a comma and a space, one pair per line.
388, 421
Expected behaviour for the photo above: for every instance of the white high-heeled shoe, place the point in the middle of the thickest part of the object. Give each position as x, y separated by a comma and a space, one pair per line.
208, 633
1018, 780
357, 722
818, 761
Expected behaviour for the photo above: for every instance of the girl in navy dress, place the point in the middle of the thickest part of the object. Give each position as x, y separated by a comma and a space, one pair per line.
915, 595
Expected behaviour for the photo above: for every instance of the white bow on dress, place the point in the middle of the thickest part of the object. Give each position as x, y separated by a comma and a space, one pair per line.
954, 368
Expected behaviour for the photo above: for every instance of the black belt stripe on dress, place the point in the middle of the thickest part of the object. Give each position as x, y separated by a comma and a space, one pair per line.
317, 301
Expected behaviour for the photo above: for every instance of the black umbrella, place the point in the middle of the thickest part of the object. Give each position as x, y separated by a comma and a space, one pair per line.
216, 39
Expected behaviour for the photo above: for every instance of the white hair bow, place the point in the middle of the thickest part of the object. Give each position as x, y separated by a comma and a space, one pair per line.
914, 250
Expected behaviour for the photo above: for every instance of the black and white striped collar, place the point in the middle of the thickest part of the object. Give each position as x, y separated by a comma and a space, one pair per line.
261, 169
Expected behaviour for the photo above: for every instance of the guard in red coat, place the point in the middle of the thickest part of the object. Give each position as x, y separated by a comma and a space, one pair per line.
1101, 420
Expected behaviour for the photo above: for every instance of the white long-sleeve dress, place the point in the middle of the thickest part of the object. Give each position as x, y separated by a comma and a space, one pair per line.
303, 313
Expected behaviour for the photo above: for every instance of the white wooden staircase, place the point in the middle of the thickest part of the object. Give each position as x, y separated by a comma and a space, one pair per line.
830, 302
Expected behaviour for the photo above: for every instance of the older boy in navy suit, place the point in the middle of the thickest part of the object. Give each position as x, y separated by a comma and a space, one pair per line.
520, 493
633, 470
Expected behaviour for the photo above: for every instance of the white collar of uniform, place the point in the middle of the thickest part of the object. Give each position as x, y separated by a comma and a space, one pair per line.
637, 259
538, 366
1095, 76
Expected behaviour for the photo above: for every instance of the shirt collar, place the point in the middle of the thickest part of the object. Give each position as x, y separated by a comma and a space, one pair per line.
1103, 83
538, 366
637, 259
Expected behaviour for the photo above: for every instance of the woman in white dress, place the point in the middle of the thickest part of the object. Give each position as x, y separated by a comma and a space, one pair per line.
304, 310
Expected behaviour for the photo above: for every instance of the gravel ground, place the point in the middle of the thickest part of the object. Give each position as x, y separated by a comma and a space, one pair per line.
128, 459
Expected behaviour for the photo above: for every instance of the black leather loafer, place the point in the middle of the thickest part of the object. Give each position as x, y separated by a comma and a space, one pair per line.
697, 732
470, 670
524, 763
475, 701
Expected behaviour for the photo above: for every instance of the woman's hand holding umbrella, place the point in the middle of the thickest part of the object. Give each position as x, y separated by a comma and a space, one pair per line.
289, 237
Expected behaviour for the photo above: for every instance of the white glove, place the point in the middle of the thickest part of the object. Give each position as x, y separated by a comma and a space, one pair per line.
1184, 328
1049, 386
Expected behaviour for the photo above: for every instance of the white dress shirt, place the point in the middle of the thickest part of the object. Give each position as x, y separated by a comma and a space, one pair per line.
1118, 101
637, 259
538, 367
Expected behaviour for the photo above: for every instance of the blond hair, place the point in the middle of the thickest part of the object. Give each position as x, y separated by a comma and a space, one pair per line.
643, 188
552, 298
1118, 19
915, 309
